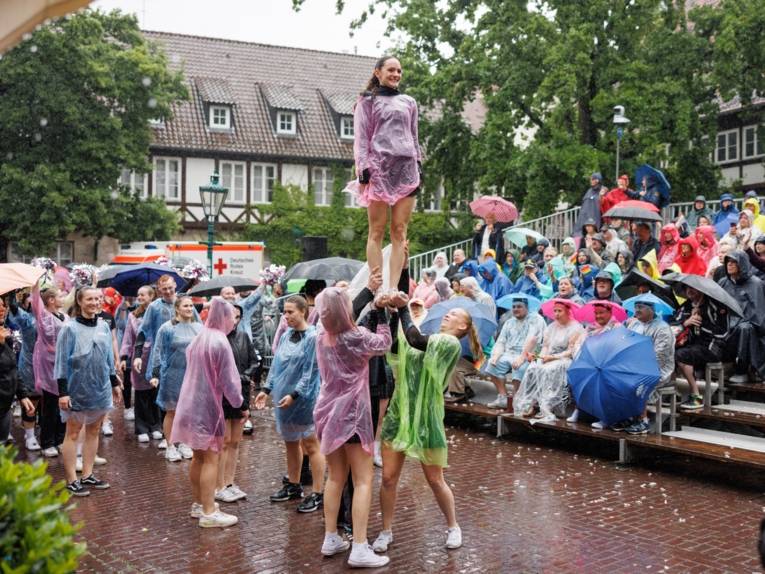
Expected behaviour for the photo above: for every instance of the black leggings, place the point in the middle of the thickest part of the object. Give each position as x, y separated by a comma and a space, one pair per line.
127, 387
147, 415
52, 429
5, 424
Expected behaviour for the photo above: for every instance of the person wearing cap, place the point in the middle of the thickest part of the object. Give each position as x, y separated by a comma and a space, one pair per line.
534, 282
700, 209
604, 288
644, 241
596, 245
519, 338
590, 209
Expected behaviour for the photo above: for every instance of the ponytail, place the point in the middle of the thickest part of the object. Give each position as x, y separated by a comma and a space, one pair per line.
475, 343
373, 85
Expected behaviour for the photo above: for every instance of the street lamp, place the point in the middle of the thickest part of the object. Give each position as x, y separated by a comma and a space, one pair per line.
620, 120
213, 196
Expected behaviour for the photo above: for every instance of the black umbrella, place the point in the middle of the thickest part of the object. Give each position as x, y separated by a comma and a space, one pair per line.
328, 269
213, 286
634, 279
706, 286
633, 214
128, 279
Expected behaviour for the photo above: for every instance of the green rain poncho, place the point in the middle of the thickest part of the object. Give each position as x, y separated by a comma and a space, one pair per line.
414, 423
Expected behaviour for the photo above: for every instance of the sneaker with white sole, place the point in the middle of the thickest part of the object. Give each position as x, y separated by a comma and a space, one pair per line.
499, 403
574, 418
107, 429
31, 443
157, 435
742, 378
93, 482
237, 492
143, 437
172, 454
162, 444
129, 414
377, 457
454, 538
99, 461
362, 556
78, 464
185, 450
334, 544
599, 425
384, 539
50, 452
217, 519
226, 494
196, 510
247, 428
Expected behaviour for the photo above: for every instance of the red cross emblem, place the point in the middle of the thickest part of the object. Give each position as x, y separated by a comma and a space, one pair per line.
220, 266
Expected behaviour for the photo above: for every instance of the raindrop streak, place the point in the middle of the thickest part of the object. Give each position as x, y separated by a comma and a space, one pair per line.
152, 103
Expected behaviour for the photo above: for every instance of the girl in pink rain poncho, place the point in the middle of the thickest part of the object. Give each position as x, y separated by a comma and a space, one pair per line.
343, 416
210, 374
388, 161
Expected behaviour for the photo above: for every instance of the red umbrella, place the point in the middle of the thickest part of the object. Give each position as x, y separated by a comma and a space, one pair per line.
503, 211
639, 204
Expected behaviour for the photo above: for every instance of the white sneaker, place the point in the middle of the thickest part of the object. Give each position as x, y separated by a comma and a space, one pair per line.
217, 519
377, 457
237, 492
32, 443
99, 461
50, 452
226, 494
454, 538
129, 414
156, 435
185, 450
574, 417
362, 556
499, 403
78, 464
334, 544
172, 454
107, 429
739, 378
600, 425
383, 540
162, 444
196, 510
247, 426
143, 437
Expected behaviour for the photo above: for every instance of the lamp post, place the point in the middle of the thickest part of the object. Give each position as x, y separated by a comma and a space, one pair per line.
213, 197
620, 120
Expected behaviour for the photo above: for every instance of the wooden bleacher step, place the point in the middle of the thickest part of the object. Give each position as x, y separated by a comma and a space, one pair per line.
748, 407
723, 439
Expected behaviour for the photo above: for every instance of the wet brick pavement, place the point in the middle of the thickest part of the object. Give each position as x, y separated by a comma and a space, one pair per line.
523, 507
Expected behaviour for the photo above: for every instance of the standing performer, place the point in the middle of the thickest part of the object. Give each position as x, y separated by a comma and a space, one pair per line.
168, 367
343, 417
148, 419
211, 374
414, 424
294, 381
87, 386
388, 161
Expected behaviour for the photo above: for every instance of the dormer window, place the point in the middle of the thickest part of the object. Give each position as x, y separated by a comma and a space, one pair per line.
346, 127
286, 123
220, 117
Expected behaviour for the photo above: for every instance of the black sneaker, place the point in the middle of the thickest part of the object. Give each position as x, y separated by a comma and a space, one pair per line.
311, 503
287, 492
76, 489
92, 481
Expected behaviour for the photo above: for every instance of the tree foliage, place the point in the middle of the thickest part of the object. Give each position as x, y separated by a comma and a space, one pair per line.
75, 103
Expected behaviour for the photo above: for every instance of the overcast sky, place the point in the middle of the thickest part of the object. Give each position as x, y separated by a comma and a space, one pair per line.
315, 26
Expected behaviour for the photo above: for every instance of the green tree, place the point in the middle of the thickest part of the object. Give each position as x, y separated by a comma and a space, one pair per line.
76, 100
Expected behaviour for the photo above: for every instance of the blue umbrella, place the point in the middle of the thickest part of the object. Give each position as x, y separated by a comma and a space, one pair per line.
614, 374
483, 318
128, 279
655, 180
532, 302
660, 307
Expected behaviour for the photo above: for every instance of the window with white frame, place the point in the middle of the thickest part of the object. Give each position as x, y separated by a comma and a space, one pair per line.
727, 146
346, 127
156, 122
135, 182
167, 178
263, 178
286, 123
753, 145
220, 117
322, 185
62, 253
232, 178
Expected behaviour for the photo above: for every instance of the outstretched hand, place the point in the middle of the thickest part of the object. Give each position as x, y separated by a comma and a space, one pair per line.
375, 280
399, 299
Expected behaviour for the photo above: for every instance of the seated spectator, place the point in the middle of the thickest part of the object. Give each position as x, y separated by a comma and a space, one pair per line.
644, 241
545, 383
455, 283
597, 250
747, 341
614, 244
492, 281
530, 249
458, 259
493, 255
512, 266
727, 215
426, 289
624, 261
586, 287
443, 290
615, 272
670, 244
473, 291
534, 282
757, 257
539, 256
748, 233
589, 228
604, 288
470, 268
715, 269
440, 264
700, 209
689, 261
704, 220
647, 322
617, 194
705, 328
707, 240
567, 290
518, 340
649, 265
753, 205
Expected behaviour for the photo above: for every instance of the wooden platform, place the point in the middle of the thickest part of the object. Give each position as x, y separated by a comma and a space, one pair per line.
727, 416
584, 429
753, 388
477, 409
698, 449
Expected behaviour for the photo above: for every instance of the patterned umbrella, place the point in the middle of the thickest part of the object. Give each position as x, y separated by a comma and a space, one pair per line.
502, 210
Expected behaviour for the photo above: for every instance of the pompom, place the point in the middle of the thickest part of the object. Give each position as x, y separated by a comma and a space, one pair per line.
195, 270
43, 263
272, 274
82, 275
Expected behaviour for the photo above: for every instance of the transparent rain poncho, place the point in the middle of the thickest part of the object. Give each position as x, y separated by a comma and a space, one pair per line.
139, 379
414, 423
169, 356
343, 351
157, 314
85, 358
295, 369
28, 329
211, 374
44, 354
386, 144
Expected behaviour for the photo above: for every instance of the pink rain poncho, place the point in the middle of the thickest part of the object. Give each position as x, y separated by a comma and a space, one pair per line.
138, 379
386, 144
343, 351
210, 374
44, 354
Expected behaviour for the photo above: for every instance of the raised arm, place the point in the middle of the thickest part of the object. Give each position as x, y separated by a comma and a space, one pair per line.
411, 332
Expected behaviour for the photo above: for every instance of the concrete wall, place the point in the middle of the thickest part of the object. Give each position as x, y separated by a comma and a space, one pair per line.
198, 172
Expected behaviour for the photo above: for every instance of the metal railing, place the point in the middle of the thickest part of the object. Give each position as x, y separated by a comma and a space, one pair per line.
424, 260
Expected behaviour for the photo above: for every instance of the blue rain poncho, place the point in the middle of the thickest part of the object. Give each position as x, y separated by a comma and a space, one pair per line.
248, 305
25, 322
496, 284
168, 362
157, 314
295, 369
85, 358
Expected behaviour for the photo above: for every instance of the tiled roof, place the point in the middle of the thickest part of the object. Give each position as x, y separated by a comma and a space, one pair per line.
245, 74
734, 104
